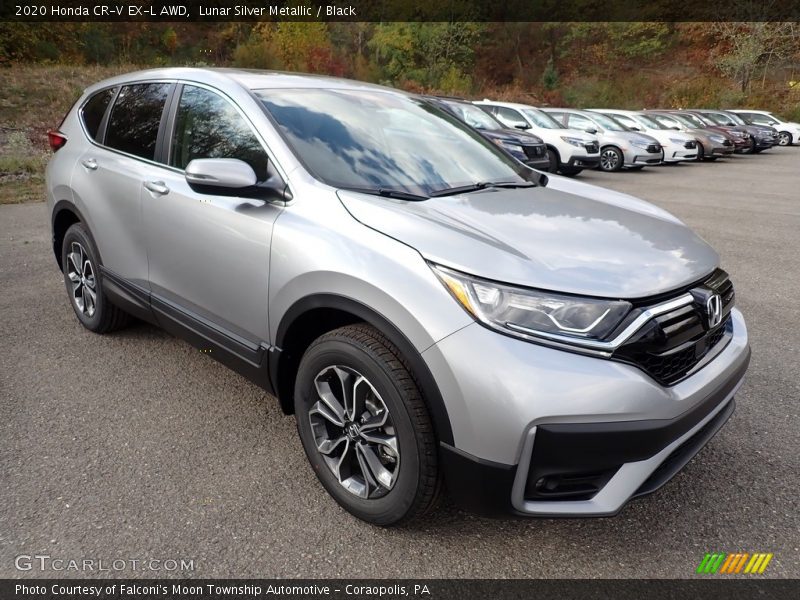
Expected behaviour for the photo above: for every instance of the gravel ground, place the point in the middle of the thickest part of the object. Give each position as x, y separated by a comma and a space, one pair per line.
137, 446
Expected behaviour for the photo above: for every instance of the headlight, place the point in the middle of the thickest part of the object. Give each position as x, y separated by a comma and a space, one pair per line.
678, 141
718, 139
574, 141
530, 313
511, 147
738, 134
641, 143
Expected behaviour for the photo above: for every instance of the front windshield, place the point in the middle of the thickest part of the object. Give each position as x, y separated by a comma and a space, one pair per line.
694, 120
650, 123
669, 121
608, 123
384, 141
735, 118
718, 118
705, 120
473, 116
542, 119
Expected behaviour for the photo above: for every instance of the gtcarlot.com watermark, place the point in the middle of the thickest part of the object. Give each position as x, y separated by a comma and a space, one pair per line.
45, 562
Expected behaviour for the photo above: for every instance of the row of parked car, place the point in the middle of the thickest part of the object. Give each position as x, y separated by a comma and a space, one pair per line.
567, 140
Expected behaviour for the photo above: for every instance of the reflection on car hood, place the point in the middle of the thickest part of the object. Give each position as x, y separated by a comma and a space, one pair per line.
567, 237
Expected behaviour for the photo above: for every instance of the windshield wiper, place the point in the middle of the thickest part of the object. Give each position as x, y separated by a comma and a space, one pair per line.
387, 193
481, 185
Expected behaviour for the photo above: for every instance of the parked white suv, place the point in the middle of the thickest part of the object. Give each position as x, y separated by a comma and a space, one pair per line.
570, 151
788, 131
677, 146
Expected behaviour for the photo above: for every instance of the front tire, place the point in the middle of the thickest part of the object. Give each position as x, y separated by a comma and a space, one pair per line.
365, 427
84, 283
553, 158
611, 159
784, 138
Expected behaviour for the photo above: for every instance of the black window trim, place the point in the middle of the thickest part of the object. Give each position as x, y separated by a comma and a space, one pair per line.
165, 129
104, 123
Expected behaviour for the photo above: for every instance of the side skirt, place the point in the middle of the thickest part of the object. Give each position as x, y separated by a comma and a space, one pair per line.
249, 359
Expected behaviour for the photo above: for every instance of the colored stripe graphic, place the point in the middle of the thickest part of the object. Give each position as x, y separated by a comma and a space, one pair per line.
735, 563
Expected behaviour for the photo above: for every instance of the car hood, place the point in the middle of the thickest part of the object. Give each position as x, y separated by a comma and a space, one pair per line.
567, 237
512, 136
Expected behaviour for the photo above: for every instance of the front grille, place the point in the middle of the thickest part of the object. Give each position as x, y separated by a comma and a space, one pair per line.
534, 151
690, 145
670, 346
592, 147
654, 148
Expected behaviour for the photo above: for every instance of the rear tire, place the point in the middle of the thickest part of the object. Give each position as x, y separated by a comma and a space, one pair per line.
84, 283
373, 450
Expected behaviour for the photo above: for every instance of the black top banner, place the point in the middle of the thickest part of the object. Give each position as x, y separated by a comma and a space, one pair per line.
398, 10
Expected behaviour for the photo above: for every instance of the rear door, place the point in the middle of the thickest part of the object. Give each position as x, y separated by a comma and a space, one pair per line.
123, 123
209, 253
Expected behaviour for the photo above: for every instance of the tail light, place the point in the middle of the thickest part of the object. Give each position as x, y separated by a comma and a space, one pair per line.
56, 139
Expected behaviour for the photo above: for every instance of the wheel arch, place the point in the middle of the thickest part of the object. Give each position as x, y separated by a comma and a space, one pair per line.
314, 315
65, 215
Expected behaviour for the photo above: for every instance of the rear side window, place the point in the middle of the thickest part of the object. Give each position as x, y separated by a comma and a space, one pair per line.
94, 111
135, 118
208, 126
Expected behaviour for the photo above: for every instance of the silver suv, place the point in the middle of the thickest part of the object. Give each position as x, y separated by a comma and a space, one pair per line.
430, 309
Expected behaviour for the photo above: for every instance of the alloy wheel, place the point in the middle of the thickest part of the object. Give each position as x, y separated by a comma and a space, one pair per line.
609, 160
354, 432
81, 274
784, 138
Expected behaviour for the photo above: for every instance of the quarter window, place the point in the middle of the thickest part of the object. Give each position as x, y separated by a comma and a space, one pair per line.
135, 118
208, 126
94, 111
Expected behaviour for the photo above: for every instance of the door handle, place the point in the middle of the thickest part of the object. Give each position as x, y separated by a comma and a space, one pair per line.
90, 164
157, 187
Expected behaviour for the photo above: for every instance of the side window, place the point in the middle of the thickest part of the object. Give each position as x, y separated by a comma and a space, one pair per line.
580, 122
94, 111
558, 116
208, 126
135, 118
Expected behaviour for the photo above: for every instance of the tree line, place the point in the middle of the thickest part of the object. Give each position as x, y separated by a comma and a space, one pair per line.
624, 64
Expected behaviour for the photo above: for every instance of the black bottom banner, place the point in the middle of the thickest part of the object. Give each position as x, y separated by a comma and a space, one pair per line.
455, 589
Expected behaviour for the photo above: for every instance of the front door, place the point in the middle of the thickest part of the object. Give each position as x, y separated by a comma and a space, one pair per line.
209, 254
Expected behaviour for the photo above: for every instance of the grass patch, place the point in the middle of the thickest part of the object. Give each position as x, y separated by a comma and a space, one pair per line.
33, 99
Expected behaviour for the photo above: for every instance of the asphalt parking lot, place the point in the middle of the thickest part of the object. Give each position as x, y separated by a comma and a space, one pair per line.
137, 446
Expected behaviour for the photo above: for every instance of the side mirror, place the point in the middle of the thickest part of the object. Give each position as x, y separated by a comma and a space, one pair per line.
591, 130
228, 173
675, 127
521, 125
634, 128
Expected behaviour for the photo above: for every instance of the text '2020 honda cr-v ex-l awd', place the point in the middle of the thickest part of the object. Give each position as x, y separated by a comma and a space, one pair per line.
433, 312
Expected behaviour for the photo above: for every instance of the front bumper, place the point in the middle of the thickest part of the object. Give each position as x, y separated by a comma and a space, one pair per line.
584, 162
635, 156
562, 434
542, 164
675, 153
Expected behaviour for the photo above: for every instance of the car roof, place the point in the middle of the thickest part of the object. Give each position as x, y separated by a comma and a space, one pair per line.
506, 104
250, 79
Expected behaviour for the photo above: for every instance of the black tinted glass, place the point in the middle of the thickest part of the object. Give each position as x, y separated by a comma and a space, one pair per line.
134, 121
94, 110
207, 126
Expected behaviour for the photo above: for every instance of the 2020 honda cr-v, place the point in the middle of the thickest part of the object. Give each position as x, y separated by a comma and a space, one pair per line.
430, 309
